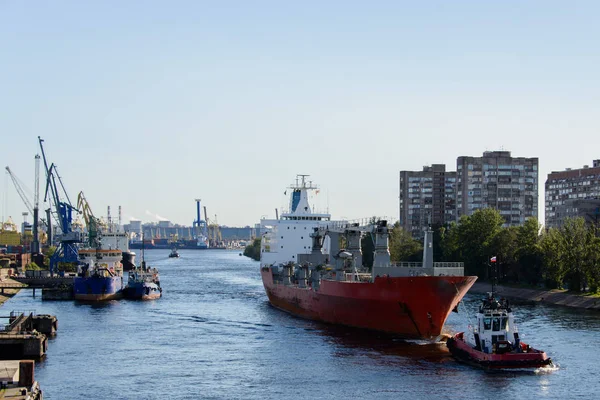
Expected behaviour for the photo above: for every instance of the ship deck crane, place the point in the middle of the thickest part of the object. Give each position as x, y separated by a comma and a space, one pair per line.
66, 250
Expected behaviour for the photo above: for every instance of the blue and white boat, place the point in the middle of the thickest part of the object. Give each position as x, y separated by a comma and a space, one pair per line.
143, 284
99, 275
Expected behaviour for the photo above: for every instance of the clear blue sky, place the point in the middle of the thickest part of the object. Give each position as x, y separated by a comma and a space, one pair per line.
149, 104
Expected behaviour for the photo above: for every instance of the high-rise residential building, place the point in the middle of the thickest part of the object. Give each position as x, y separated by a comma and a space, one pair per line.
573, 193
498, 180
427, 198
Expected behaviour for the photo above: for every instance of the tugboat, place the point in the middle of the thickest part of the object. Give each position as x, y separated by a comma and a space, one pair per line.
143, 284
174, 253
496, 341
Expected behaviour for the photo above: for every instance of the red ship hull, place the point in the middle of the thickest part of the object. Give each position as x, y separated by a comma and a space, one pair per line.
412, 307
528, 358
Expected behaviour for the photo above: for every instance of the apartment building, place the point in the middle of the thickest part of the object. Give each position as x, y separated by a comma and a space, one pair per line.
573, 193
427, 198
498, 180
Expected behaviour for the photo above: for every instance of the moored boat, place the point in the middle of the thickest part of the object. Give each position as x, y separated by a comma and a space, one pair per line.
306, 273
495, 341
143, 284
99, 276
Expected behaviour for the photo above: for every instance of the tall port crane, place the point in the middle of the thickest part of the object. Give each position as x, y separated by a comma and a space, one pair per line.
33, 210
66, 251
91, 222
199, 225
214, 233
35, 244
18, 185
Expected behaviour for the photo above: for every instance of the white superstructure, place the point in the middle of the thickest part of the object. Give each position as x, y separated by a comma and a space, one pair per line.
287, 236
102, 262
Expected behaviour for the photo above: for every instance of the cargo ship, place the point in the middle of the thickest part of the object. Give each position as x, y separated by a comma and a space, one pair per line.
306, 273
99, 275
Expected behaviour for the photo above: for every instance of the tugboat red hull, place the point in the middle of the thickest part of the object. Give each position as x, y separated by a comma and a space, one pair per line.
412, 307
529, 358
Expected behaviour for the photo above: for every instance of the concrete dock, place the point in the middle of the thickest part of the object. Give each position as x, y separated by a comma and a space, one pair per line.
17, 381
20, 338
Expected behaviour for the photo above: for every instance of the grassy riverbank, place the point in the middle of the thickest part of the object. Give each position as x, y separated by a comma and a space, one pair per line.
554, 296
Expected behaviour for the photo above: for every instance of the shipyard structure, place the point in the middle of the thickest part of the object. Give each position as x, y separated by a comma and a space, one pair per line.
496, 180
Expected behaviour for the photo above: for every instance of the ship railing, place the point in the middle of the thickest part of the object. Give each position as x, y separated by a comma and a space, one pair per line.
445, 264
407, 264
449, 264
362, 222
16, 313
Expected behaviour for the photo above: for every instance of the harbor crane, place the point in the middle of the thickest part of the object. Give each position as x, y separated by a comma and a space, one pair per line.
199, 224
66, 251
33, 210
18, 185
92, 223
213, 231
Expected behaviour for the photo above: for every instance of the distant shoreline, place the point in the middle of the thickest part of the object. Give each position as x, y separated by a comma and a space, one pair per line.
554, 296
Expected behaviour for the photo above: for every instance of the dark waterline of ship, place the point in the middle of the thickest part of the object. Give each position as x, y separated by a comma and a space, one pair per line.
214, 336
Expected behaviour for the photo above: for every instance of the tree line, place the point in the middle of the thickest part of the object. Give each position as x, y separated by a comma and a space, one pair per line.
565, 257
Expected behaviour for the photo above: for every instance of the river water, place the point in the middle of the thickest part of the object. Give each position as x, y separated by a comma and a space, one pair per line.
213, 335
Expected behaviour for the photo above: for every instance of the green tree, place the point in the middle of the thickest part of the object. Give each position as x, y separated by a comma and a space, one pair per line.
476, 235
592, 266
580, 251
32, 267
367, 245
48, 254
502, 245
402, 245
553, 270
450, 243
528, 253
253, 250
438, 250
574, 238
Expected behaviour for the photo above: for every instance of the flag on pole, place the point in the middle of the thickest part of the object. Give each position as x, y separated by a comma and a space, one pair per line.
493, 259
